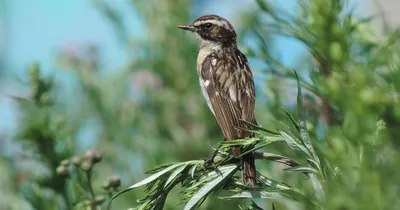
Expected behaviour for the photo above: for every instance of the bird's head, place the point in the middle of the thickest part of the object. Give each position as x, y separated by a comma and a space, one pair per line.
212, 30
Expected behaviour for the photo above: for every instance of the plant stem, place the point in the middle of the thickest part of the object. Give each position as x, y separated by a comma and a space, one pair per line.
91, 192
110, 194
66, 198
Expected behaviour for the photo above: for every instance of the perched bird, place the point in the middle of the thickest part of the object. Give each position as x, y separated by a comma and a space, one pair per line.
226, 82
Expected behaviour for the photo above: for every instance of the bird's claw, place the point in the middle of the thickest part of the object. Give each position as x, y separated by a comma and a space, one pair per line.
208, 162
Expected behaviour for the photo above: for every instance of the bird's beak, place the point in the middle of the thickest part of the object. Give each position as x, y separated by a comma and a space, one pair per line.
187, 27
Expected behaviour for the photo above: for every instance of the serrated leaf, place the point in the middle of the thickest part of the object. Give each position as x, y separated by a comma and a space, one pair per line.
226, 172
274, 195
294, 144
148, 179
175, 174
303, 169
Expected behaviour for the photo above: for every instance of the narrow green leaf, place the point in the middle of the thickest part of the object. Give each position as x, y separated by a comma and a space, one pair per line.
250, 206
272, 183
294, 144
313, 164
305, 138
291, 118
226, 171
260, 128
205, 178
159, 205
317, 186
148, 179
244, 142
263, 5
159, 168
155, 176
274, 195
276, 158
303, 169
175, 174
296, 195
193, 170
254, 149
241, 142
248, 130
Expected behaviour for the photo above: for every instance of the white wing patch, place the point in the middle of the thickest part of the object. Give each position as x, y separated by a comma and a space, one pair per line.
203, 86
233, 92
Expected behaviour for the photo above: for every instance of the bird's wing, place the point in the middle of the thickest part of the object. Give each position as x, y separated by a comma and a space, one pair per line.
229, 84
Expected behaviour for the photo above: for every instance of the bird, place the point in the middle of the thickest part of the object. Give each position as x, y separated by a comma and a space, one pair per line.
227, 84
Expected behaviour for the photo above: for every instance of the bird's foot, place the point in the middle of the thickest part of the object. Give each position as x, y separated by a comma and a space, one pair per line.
210, 160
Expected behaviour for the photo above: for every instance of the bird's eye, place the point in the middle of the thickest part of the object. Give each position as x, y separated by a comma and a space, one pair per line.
208, 25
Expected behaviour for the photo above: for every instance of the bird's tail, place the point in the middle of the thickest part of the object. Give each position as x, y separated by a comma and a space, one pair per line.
249, 175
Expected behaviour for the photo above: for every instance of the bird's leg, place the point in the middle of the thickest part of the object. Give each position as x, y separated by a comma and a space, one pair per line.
210, 160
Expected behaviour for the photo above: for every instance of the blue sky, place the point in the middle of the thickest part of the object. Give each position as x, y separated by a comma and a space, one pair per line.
35, 30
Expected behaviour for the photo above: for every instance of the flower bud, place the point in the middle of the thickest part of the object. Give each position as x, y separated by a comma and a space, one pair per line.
76, 160
106, 185
65, 162
99, 199
89, 154
62, 171
86, 165
115, 181
93, 155
97, 156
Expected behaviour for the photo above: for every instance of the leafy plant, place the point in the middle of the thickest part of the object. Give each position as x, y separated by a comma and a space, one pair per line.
339, 152
199, 182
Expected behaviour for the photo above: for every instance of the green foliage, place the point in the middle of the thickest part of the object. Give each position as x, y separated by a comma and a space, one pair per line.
344, 57
41, 131
198, 184
340, 151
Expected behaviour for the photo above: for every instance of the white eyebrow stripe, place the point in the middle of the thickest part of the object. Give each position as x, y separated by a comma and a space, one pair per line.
215, 22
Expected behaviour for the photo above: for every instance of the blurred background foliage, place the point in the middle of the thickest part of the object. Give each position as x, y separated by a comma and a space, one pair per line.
149, 110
